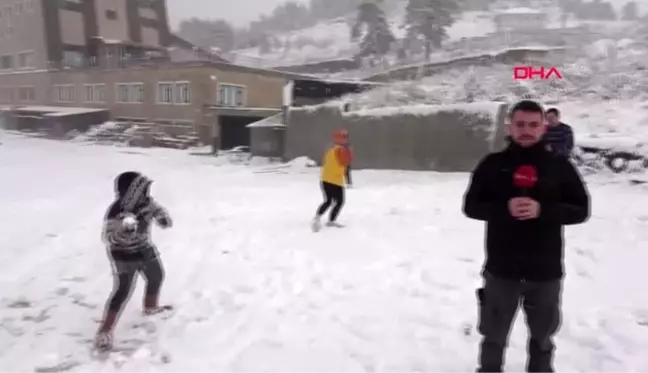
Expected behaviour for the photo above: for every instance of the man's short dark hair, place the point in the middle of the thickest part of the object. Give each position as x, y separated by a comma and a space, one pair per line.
554, 111
528, 106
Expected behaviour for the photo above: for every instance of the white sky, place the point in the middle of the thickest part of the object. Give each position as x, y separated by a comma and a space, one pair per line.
237, 12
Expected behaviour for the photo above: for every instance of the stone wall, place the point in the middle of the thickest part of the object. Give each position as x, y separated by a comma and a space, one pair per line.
442, 138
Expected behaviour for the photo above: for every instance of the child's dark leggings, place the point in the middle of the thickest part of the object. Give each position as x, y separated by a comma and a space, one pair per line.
124, 279
333, 195
348, 175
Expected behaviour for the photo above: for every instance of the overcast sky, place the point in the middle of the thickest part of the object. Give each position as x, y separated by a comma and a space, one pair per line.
238, 12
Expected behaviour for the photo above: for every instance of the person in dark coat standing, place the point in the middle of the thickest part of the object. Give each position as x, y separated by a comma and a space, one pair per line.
525, 194
559, 136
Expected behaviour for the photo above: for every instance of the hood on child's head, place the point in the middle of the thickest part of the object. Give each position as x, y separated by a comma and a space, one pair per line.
340, 137
132, 188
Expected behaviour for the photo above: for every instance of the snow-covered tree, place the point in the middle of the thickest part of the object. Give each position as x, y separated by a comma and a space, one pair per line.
429, 20
373, 29
630, 11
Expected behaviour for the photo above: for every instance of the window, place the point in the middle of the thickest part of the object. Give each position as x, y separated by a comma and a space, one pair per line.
29, 5
137, 91
183, 92
95, 92
146, 3
18, 8
64, 93
73, 59
165, 93
8, 12
111, 14
25, 60
27, 94
232, 95
174, 93
6, 62
130, 93
6, 94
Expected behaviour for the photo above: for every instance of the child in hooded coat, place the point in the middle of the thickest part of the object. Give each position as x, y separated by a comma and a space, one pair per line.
127, 234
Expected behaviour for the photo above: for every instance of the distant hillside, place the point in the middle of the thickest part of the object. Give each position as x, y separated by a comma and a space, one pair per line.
330, 40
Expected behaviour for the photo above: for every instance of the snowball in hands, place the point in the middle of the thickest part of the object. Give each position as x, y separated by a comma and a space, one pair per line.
129, 222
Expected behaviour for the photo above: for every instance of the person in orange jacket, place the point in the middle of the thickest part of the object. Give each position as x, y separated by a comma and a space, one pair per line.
333, 175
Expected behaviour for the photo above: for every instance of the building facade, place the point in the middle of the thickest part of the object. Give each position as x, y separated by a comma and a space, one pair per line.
42, 34
174, 97
113, 54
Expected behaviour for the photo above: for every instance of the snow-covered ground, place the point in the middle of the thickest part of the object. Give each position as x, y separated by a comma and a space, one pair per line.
257, 291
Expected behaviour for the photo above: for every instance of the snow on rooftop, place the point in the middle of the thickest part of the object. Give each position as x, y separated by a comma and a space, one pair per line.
348, 81
479, 108
25, 71
273, 121
57, 111
520, 10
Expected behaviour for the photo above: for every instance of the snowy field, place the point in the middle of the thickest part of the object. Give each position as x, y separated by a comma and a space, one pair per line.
257, 291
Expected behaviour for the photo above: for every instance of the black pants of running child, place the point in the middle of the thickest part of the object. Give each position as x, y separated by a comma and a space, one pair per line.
125, 273
499, 301
333, 195
348, 175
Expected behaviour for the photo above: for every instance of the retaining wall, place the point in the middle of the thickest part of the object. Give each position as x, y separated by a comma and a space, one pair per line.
451, 138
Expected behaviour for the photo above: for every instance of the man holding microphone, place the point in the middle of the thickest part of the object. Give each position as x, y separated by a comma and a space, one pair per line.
525, 194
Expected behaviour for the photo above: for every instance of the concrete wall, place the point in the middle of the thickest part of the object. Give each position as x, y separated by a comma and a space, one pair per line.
442, 138
267, 141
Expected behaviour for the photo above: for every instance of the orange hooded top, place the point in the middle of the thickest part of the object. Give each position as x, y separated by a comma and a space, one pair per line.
336, 160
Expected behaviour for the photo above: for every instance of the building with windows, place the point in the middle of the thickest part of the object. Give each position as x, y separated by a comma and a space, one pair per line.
45, 34
113, 54
176, 97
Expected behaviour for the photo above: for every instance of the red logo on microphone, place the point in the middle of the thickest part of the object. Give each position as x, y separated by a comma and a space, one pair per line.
525, 177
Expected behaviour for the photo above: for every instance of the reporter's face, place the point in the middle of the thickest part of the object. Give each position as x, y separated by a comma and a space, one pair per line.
527, 128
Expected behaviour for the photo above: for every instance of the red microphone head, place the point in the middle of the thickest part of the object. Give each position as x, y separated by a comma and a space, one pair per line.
525, 177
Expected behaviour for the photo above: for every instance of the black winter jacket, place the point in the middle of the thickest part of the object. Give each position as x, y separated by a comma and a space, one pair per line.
529, 250
133, 199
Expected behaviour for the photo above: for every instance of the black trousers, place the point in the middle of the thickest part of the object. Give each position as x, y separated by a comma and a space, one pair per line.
333, 195
348, 175
499, 301
125, 273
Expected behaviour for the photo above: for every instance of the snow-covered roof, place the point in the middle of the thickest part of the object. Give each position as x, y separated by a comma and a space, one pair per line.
273, 121
346, 81
26, 71
520, 10
58, 111
489, 108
